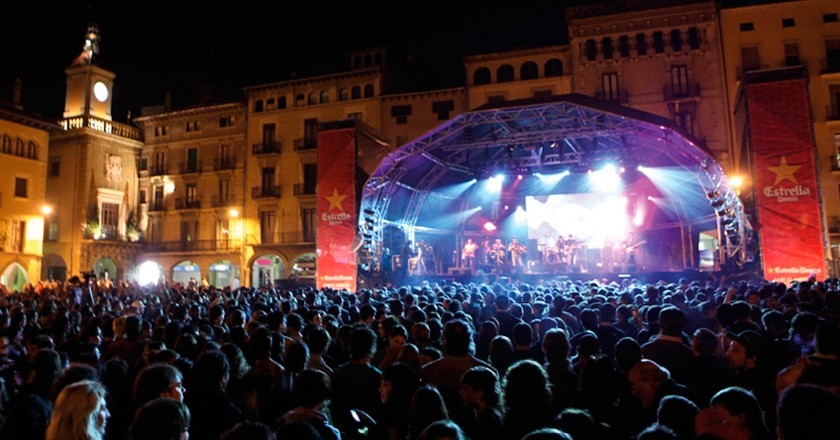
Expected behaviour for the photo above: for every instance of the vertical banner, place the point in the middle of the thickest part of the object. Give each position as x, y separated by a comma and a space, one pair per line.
336, 209
789, 217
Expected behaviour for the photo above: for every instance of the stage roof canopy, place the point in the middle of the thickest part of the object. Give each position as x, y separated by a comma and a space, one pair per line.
574, 133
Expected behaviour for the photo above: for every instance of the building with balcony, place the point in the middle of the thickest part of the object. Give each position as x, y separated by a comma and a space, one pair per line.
785, 35
25, 215
92, 178
660, 57
191, 193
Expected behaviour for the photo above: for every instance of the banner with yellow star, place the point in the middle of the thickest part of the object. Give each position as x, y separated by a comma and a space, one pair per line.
336, 209
789, 220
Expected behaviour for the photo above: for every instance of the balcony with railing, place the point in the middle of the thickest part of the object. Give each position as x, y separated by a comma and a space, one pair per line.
157, 206
681, 92
230, 245
158, 169
620, 96
99, 124
187, 203
266, 148
189, 167
829, 66
739, 72
832, 113
304, 144
224, 163
288, 237
303, 189
218, 201
265, 192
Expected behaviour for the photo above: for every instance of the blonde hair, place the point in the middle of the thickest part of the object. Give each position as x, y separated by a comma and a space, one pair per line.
74, 415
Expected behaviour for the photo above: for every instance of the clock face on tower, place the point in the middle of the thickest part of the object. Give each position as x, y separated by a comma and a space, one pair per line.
100, 91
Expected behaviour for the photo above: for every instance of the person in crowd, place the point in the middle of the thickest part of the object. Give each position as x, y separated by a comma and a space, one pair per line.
355, 384
733, 412
481, 391
427, 407
747, 356
399, 383
527, 399
161, 418
80, 413
668, 348
213, 411
558, 366
807, 412
445, 373
312, 389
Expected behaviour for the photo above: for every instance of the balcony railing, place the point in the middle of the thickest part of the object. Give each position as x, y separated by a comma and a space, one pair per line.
194, 245
676, 92
302, 189
187, 203
834, 159
157, 205
264, 192
739, 72
102, 125
832, 113
830, 65
158, 170
224, 163
264, 148
289, 237
190, 167
220, 202
620, 96
305, 144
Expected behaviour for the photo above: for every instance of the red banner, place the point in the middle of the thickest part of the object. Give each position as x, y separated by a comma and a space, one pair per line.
336, 209
789, 217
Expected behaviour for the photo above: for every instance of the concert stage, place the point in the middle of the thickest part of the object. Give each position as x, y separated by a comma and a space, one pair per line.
636, 196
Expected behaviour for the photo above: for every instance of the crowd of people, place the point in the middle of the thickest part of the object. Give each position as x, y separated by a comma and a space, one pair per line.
562, 359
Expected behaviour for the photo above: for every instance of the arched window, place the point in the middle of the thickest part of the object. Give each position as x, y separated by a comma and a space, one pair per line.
269, 104
299, 100
553, 67
529, 70
325, 97
281, 102
357, 61
19, 147
7, 144
504, 73
356, 93
369, 91
32, 151
343, 94
481, 76
258, 106
313, 98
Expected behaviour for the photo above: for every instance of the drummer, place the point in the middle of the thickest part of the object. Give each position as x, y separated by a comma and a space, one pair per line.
499, 250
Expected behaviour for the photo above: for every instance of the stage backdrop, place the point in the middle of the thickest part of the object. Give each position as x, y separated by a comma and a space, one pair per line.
789, 218
336, 209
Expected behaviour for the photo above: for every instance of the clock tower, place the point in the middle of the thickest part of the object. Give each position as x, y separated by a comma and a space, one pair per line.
88, 85
93, 176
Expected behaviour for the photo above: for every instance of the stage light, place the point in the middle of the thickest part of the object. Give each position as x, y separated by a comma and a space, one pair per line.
489, 226
519, 177
650, 198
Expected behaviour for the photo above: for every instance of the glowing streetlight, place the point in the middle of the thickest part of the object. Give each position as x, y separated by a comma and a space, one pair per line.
46, 210
233, 213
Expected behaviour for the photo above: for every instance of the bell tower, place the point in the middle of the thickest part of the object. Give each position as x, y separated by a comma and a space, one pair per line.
89, 87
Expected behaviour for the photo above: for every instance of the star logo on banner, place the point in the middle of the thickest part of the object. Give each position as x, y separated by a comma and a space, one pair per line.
784, 171
335, 200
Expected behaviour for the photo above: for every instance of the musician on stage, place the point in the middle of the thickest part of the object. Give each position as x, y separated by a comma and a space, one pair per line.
468, 253
517, 253
497, 255
569, 250
406, 253
630, 244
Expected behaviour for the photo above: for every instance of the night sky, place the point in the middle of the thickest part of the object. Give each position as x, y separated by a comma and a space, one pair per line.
228, 46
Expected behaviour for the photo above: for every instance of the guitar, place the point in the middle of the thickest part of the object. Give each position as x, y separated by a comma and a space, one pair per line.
633, 247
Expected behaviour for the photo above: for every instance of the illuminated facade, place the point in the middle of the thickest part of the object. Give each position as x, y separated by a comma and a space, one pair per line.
191, 193
92, 178
774, 36
23, 165
663, 60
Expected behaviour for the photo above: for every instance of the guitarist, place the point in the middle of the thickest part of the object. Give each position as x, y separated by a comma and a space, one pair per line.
517, 251
631, 243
